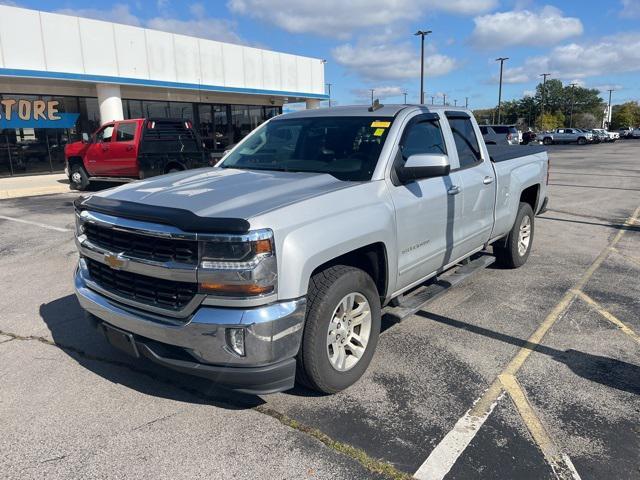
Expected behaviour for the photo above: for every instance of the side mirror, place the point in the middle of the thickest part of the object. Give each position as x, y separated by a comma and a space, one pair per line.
424, 165
85, 137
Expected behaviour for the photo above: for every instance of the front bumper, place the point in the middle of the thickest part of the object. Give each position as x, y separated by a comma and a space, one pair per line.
198, 345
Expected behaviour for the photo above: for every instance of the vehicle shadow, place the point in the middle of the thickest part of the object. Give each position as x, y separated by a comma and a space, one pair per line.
595, 368
78, 338
618, 226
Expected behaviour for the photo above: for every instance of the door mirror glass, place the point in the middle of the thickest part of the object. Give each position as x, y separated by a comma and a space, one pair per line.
85, 137
424, 165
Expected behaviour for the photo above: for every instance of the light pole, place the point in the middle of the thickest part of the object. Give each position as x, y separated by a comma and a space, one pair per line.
329, 91
444, 99
432, 99
609, 110
573, 101
501, 60
544, 86
455, 102
422, 33
466, 102
405, 97
372, 90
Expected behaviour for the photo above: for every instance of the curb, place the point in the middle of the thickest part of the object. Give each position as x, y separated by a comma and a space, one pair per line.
33, 191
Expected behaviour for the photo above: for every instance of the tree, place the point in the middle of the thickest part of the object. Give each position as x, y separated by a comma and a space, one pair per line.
625, 115
586, 120
551, 121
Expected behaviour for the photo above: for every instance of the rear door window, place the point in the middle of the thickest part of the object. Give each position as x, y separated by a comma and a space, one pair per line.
466, 142
126, 132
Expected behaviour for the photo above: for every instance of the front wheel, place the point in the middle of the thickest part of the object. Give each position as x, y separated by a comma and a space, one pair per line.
515, 250
582, 141
78, 178
547, 141
341, 331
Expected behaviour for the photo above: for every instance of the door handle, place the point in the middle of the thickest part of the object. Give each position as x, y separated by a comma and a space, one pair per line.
454, 190
129, 148
487, 180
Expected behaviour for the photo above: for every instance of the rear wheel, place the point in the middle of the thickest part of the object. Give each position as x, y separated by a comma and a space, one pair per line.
341, 331
78, 178
515, 250
582, 141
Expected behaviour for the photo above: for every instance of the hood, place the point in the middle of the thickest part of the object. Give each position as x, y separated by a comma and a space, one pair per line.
227, 192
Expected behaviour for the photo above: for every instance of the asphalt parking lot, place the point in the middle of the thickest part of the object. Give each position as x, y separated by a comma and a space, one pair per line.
528, 373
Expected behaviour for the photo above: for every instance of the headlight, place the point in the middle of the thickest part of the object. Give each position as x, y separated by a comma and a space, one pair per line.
238, 265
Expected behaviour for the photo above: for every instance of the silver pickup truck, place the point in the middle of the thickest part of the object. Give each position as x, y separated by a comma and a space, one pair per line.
276, 265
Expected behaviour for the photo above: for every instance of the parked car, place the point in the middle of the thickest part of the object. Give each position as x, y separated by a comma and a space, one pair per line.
625, 132
635, 133
500, 134
600, 135
274, 265
133, 149
567, 135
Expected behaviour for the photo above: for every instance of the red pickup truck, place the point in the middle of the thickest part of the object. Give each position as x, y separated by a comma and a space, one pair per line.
128, 150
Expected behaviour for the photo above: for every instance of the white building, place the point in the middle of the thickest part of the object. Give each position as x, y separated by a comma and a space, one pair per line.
106, 71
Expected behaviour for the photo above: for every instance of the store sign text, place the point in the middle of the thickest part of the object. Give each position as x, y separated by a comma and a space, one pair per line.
34, 114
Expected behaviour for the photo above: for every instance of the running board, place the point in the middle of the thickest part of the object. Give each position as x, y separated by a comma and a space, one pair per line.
419, 297
113, 179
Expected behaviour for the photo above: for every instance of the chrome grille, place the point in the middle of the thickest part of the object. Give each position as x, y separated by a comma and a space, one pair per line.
142, 246
142, 289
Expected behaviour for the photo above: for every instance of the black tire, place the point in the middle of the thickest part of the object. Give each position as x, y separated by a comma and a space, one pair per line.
507, 252
582, 141
326, 290
78, 177
547, 141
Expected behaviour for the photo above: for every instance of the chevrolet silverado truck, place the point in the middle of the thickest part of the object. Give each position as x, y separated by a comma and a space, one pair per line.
129, 150
276, 264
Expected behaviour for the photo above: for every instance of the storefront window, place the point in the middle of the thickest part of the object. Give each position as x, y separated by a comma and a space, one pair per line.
155, 109
181, 110
33, 150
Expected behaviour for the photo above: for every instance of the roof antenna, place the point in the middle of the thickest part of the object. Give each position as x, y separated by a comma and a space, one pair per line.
376, 106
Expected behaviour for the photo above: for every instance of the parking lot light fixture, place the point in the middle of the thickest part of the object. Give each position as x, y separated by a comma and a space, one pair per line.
611, 90
329, 92
501, 60
405, 96
372, 90
544, 86
444, 99
573, 101
422, 34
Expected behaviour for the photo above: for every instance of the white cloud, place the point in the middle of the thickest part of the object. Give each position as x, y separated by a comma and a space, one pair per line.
119, 13
389, 61
378, 92
339, 18
199, 25
524, 27
630, 8
579, 61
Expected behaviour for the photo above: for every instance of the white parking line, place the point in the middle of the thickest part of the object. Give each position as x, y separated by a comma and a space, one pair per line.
444, 456
36, 224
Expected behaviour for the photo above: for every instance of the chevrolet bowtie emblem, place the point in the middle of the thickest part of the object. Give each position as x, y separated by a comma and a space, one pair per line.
114, 261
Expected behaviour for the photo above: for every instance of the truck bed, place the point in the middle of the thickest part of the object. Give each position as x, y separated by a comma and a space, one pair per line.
502, 153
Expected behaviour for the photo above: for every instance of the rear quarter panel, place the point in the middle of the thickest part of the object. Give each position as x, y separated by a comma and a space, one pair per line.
513, 177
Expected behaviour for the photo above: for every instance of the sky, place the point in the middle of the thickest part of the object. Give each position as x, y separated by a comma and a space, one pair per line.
371, 43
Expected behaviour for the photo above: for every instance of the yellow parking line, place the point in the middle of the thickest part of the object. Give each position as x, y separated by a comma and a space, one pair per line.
486, 402
561, 464
612, 318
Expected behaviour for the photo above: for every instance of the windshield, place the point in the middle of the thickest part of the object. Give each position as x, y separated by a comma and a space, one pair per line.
345, 147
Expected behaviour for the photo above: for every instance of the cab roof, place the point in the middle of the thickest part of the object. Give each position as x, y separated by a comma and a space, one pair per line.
364, 111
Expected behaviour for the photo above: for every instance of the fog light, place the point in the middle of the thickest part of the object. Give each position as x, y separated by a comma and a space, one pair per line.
235, 340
